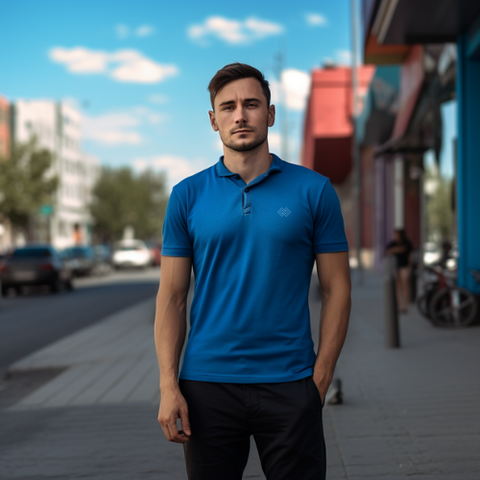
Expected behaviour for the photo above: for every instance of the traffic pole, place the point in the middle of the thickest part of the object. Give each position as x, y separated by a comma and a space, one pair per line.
392, 331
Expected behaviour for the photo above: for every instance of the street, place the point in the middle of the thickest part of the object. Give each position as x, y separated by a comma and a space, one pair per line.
36, 319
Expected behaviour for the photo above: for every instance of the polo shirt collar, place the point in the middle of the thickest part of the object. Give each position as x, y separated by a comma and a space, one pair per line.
223, 171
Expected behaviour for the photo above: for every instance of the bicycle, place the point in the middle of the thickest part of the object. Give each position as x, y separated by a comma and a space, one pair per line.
430, 287
446, 304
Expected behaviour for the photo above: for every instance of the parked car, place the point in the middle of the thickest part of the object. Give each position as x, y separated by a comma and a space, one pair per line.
155, 253
81, 260
103, 259
131, 253
35, 265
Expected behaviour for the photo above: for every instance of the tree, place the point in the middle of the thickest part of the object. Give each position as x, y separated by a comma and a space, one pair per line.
122, 198
26, 182
439, 207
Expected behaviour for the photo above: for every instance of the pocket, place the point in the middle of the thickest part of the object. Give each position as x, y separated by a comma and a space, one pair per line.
316, 391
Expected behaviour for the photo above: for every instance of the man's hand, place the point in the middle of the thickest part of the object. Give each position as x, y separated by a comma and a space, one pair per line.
322, 383
172, 407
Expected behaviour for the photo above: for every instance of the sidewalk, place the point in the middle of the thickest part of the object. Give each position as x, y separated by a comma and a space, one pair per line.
411, 412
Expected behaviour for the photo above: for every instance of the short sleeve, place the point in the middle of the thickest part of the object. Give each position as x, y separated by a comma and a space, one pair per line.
329, 233
176, 239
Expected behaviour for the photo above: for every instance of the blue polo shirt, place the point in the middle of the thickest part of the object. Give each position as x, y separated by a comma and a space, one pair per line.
253, 248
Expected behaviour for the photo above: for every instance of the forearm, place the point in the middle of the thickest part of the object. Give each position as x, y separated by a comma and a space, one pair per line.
334, 319
170, 328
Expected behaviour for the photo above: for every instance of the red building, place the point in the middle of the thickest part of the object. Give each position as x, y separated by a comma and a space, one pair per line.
4, 127
328, 134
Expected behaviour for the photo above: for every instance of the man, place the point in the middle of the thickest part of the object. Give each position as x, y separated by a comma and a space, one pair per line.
251, 227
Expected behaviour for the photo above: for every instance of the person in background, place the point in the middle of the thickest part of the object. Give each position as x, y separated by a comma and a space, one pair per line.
77, 234
401, 247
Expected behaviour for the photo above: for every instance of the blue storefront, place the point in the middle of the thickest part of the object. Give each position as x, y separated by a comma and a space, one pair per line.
392, 29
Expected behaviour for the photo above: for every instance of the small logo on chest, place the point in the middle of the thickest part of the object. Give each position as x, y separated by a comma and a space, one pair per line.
284, 212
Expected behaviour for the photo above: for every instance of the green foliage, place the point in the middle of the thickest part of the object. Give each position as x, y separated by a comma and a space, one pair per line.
122, 198
439, 208
25, 182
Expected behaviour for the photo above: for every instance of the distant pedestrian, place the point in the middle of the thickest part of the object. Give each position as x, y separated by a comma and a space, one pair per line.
251, 227
77, 234
401, 248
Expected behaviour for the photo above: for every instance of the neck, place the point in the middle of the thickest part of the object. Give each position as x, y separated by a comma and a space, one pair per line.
249, 165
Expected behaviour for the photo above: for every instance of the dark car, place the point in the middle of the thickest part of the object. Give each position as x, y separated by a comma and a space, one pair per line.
81, 260
35, 265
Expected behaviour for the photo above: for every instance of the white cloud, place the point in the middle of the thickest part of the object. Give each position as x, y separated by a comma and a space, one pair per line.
123, 65
177, 168
73, 102
295, 86
218, 145
262, 28
134, 67
112, 129
80, 60
119, 128
148, 115
234, 31
157, 98
343, 57
274, 142
122, 31
144, 31
315, 19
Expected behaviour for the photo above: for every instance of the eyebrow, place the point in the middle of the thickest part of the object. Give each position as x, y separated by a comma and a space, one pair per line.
230, 102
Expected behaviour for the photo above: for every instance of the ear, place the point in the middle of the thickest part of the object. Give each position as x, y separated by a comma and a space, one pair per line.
213, 122
271, 115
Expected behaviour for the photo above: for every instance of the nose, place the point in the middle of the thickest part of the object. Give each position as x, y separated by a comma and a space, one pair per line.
240, 117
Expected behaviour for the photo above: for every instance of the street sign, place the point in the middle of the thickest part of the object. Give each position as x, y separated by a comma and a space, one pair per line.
46, 210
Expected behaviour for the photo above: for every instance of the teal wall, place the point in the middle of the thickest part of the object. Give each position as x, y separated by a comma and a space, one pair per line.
468, 170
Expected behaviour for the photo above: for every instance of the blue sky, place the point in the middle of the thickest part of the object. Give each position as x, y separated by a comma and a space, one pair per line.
139, 69
449, 118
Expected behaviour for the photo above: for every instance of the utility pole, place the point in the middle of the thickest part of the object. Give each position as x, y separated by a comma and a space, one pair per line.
357, 190
283, 110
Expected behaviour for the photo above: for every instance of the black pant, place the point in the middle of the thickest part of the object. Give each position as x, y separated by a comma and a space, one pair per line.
285, 420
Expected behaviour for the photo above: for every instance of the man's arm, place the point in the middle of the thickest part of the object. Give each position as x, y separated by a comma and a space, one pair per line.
334, 276
170, 328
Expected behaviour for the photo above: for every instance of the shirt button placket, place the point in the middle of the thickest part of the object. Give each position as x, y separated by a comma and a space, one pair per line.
247, 201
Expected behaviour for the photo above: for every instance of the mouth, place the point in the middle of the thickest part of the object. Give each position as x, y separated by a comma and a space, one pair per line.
243, 130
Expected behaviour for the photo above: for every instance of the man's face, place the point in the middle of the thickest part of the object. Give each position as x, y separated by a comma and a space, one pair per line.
241, 115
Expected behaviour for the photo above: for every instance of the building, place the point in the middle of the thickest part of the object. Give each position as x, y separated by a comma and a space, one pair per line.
57, 127
4, 127
328, 136
5, 227
437, 45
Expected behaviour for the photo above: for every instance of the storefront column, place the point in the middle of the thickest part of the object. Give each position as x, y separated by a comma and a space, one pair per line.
468, 191
399, 193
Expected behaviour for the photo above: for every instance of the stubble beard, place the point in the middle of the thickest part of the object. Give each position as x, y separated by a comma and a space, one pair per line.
243, 145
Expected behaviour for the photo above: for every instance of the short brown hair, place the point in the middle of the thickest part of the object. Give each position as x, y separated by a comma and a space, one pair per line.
236, 71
